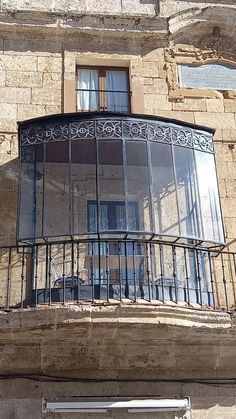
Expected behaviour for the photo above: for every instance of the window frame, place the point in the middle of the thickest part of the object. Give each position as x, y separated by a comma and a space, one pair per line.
102, 85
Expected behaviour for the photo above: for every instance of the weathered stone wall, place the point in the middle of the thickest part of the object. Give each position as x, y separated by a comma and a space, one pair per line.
39, 51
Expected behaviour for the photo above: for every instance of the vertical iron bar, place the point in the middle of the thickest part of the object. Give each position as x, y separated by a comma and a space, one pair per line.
126, 273
50, 273
97, 181
71, 206
187, 275
9, 277
120, 269
162, 271
46, 260
148, 271
107, 269
72, 262
92, 270
77, 273
134, 271
22, 277
199, 277
224, 281
73, 279
43, 197
173, 248
211, 280
63, 272
35, 255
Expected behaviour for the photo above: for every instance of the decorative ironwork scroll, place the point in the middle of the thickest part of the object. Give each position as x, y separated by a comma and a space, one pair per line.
102, 128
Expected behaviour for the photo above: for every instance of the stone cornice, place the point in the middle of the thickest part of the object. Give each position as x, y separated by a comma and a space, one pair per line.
85, 23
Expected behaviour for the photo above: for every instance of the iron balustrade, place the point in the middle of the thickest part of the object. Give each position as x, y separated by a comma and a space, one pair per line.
112, 271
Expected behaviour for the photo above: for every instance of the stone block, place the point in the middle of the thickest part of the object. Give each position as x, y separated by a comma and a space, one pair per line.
29, 111
24, 46
215, 120
20, 408
225, 152
215, 105
2, 77
190, 105
231, 189
30, 79
229, 135
12, 78
135, 7
178, 115
152, 54
226, 169
52, 109
230, 224
18, 63
45, 96
157, 102
50, 64
159, 87
150, 69
15, 95
23, 79
228, 207
222, 188
148, 81
8, 118
52, 82
230, 105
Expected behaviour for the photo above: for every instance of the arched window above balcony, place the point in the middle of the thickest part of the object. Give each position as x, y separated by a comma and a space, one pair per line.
117, 176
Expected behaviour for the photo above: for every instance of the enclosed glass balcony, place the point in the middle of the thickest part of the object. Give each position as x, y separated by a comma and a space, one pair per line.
112, 176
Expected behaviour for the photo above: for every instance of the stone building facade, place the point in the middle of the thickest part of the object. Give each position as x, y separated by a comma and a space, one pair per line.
126, 350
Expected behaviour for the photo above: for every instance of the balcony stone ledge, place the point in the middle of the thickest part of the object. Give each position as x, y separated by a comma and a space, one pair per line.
118, 342
161, 321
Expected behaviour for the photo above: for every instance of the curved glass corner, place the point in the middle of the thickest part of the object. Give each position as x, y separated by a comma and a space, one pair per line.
122, 177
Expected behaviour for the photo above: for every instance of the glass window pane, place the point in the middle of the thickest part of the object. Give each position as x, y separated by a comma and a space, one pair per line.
164, 190
88, 86
27, 193
138, 188
209, 197
117, 91
83, 184
56, 190
189, 211
111, 182
39, 184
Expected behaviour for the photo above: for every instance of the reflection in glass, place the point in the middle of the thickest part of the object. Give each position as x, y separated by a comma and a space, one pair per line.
209, 197
189, 216
164, 190
138, 185
26, 225
83, 185
56, 190
111, 183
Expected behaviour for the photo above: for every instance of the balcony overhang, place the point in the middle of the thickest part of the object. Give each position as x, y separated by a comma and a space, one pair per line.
145, 342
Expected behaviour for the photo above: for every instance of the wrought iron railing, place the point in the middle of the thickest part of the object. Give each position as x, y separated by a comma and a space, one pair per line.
113, 271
